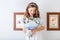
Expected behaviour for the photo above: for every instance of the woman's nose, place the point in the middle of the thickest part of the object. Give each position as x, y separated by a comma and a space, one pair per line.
32, 12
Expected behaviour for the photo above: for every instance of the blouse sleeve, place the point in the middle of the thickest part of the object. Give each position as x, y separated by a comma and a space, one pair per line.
40, 21
22, 21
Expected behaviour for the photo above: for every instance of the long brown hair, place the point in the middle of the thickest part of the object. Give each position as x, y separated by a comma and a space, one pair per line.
32, 4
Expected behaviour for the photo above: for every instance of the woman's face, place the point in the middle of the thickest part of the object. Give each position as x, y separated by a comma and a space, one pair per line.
32, 11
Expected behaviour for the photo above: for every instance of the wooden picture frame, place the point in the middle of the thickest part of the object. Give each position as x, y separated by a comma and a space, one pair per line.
17, 17
53, 20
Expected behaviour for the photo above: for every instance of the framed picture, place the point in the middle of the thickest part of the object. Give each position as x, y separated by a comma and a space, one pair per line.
53, 20
17, 20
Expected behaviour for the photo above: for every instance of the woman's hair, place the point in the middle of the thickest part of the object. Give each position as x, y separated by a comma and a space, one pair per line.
32, 4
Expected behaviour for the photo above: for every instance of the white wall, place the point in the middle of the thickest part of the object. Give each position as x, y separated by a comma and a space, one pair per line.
7, 9
51, 6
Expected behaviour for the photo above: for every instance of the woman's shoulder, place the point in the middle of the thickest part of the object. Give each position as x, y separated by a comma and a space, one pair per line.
24, 16
38, 18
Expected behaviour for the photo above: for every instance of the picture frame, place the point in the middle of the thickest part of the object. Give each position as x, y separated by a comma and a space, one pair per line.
53, 20
17, 17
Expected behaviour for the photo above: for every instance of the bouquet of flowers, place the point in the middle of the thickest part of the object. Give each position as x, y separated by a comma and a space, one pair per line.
30, 24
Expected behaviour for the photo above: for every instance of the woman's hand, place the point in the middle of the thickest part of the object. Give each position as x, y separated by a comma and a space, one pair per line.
33, 32
37, 29
24, 30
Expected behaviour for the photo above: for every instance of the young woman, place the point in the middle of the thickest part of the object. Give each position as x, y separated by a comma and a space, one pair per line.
32, 13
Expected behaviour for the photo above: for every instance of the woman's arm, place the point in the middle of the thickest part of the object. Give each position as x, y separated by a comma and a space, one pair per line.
24, 30
37, 29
